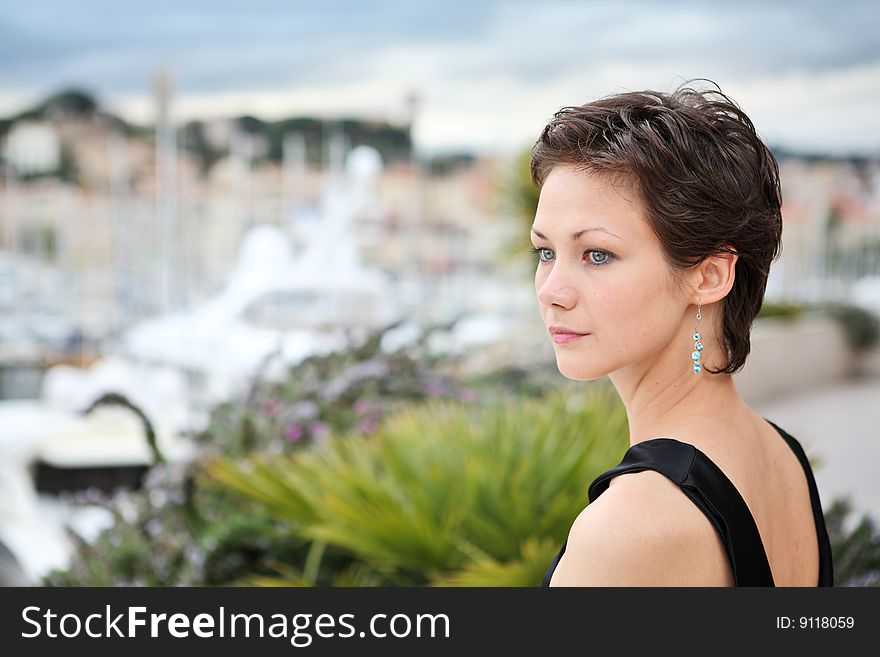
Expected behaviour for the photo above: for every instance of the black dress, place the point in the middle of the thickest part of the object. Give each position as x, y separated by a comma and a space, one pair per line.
710, 489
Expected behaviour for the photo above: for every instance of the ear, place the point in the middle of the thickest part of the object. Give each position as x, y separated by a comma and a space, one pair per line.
715, 276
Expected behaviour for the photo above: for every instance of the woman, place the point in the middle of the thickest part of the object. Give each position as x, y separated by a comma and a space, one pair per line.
658, 219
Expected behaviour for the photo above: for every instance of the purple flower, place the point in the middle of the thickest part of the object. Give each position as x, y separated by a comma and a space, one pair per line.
293, 432
368, 426
433, 387
318, 428
361, 406
271, 407
306, 409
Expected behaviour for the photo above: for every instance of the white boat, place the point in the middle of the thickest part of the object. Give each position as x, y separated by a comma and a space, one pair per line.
33, 526
276, 307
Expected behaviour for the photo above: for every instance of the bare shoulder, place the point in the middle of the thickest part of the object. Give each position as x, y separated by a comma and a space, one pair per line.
643, 531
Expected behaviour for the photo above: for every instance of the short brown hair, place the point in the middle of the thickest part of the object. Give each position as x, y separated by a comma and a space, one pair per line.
707, 182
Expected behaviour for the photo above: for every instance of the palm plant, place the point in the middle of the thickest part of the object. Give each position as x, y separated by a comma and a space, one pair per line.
442, 493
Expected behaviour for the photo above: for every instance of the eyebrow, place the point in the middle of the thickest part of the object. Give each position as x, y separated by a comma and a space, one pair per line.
574, 236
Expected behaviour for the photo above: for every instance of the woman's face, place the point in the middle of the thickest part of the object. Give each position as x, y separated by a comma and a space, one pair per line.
610, 283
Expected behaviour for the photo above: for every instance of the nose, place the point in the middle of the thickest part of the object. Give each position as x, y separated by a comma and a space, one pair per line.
555, 288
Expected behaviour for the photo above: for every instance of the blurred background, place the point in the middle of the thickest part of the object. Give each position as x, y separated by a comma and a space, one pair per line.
267, 314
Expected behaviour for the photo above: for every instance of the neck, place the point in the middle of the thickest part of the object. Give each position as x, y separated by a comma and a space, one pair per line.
685, 406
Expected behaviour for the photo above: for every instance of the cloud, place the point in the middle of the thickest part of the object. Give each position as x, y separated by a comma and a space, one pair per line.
483, 68
213, 45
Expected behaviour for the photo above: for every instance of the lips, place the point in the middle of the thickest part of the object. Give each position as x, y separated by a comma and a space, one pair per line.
556, 329
561, 338
565, 334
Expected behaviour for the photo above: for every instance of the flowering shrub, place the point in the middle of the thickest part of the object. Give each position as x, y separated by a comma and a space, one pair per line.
346, 391
174, 531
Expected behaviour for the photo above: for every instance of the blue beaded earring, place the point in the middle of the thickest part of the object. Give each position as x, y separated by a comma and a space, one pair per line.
698, 346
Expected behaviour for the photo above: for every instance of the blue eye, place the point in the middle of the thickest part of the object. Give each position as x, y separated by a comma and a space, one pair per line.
606, 256
538, 251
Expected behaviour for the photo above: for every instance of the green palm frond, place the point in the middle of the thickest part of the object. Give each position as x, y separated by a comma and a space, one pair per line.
444, 488
530, 566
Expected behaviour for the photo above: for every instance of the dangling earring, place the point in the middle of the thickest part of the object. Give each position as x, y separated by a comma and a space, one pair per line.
698, 346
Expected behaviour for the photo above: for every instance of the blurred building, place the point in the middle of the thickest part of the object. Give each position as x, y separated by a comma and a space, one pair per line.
831, 227
80, 192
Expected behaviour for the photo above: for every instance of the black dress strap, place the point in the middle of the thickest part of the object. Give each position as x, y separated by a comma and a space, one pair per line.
710, 489
826, 568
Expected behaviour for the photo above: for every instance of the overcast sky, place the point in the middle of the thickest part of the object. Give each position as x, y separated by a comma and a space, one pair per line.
488, 73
